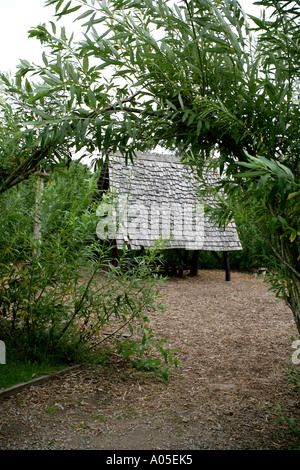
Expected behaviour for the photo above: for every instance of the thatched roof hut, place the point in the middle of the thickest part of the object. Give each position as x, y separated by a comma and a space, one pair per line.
157, 198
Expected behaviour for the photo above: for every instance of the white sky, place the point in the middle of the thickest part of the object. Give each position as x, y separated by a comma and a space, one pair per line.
18, 16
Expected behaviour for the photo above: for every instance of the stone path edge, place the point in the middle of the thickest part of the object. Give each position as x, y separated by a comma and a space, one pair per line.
6, 392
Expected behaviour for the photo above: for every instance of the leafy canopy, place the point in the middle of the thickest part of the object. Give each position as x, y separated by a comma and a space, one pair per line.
197, 76
208, 78
203, 77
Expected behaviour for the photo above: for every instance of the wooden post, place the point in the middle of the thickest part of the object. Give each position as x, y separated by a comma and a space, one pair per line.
226, 265
194, 263
37, 215
115, 253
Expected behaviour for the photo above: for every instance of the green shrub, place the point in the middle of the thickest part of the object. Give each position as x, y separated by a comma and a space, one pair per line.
62, 298
17, 212
290, 424
256, 252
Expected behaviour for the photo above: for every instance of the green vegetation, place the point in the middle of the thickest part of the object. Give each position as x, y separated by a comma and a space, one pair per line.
290, 424
61, 298
16, 372
188, 76
200, 77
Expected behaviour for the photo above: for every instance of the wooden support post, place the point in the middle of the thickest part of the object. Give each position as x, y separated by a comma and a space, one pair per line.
114, 253
37, 214
194, 263
226, 265
37, 227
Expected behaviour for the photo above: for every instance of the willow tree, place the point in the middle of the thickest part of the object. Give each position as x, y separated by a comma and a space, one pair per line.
207, 79
59, 107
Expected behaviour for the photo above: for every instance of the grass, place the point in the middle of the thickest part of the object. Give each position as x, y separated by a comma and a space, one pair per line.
100, 418
25, 364
20, 368
15, 373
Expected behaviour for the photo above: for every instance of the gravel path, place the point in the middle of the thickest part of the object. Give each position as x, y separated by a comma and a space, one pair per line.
233, 341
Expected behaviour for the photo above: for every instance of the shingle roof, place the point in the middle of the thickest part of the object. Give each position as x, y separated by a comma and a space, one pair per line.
158, 196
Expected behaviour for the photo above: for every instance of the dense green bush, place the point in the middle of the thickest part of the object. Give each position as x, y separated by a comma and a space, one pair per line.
60, 295
256, 251
67, 193
17, 211
59, 304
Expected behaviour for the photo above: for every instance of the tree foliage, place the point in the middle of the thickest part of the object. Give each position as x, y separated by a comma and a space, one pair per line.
51, 110
198, 76
60, 297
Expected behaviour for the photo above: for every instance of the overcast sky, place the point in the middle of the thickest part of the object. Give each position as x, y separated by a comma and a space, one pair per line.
18, 16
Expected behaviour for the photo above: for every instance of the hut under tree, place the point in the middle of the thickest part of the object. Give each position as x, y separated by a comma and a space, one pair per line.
156, 197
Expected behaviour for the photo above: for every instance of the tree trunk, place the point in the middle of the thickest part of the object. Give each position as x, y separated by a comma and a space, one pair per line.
288, 255
37, 233
37, 216
293, 299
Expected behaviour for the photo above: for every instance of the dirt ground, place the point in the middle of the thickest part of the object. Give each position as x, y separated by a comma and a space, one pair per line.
234, 344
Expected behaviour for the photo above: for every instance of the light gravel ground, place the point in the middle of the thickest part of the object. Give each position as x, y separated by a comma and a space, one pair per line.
234, 344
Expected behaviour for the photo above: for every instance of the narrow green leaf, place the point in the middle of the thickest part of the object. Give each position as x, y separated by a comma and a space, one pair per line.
107, 137
262, 182
251, 173
84, 15
41, 113
199, 126
59, 4
67, 12
291, 195
92, 98
180, 101
85, 63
